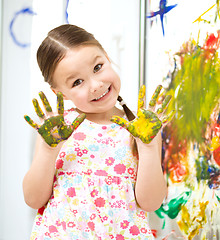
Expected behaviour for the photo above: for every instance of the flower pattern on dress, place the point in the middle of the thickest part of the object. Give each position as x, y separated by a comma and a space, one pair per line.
93, 196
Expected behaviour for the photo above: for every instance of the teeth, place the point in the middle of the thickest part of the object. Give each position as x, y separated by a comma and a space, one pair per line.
102, 95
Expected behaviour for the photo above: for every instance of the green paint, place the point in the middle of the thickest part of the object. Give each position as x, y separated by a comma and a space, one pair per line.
196, 89
168, 117
141, 97
173, 208
60, 104
147, 124
154, 98
31, 122
38, 109
45, 102
164, 104
54, 129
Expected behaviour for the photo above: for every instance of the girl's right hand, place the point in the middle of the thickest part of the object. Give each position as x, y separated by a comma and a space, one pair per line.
53, 129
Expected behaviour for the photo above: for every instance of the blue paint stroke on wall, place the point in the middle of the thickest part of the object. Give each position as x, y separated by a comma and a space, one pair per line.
163, 9
66, 11
22, 11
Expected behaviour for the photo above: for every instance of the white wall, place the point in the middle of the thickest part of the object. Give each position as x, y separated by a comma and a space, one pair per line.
15, 135
114, 23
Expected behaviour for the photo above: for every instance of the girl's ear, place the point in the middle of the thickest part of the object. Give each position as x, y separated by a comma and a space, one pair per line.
56, 91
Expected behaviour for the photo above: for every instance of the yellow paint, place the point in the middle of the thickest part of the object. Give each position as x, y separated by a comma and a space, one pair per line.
143, 126
191, 221
141, 97
215, 143
199, 19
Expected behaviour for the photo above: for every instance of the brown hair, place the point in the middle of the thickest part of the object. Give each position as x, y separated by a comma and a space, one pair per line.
54, 47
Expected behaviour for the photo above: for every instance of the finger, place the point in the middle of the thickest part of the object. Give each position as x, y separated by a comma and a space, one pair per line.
38, 109
154, 98
120, 121
60, 104
168, 117
141, 97
45, 102
164, 104
31, 122
65, 131
78, 121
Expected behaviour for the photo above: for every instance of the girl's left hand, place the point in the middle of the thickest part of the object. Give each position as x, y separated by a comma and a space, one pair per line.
148, 122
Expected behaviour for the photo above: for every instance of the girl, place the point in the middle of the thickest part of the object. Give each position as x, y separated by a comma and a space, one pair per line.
87, 182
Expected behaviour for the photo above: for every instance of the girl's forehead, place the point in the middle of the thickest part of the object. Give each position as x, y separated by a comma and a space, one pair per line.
93, 49
84, 53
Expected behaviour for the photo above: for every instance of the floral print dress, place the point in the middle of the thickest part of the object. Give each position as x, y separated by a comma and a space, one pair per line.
93, 195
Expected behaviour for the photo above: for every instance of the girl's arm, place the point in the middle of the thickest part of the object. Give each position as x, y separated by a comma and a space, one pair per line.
150, 188
38, 182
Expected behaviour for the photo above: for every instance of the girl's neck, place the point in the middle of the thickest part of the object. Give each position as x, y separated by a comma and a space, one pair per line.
103, 118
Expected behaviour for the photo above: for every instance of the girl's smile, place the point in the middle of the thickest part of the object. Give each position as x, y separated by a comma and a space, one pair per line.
103, 95
85, 76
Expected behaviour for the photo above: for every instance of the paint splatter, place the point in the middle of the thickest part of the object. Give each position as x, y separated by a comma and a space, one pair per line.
24, 11
163, 9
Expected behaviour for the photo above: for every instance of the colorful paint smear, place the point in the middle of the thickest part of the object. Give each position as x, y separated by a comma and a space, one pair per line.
191, 143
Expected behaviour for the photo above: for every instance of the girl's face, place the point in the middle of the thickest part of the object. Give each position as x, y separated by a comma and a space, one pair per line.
85, 76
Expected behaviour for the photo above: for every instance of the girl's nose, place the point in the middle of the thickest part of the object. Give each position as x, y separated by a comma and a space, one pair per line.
95, 86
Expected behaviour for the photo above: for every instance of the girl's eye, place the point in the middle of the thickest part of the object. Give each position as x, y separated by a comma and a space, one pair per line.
77, 82
97, 68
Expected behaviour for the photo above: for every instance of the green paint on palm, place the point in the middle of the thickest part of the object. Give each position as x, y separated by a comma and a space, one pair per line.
54, 129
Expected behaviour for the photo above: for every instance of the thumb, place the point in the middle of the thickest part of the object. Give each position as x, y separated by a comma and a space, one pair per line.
120, 121
78, 121
168, 118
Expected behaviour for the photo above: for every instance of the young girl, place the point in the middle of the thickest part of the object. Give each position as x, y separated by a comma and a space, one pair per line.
85, 179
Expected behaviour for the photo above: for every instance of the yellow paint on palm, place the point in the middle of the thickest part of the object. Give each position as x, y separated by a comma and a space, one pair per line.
145, 126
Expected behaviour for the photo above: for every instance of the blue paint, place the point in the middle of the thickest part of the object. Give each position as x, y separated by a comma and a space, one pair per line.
163, 9
22, 11
66, 13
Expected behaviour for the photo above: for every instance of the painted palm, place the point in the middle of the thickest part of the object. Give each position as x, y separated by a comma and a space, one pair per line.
53, 129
